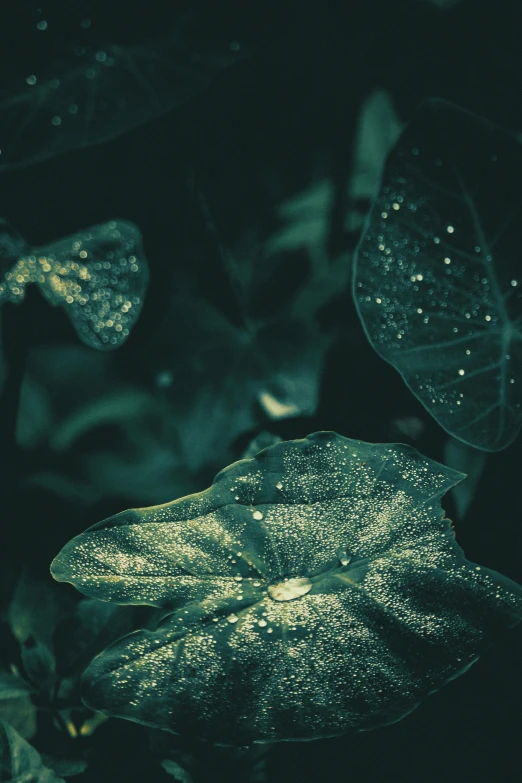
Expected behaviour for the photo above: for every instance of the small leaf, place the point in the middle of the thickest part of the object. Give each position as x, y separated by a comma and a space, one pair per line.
315, 588
35, 609
20, 762
68, 768
176, 771
98, 275
234, 378
437, 280
39, 662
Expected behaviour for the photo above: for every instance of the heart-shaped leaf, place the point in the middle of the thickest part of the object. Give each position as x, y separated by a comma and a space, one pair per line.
314, 588
98, 275
437, 280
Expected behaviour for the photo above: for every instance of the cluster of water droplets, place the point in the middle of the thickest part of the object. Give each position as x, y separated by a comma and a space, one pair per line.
99, 276
434, 297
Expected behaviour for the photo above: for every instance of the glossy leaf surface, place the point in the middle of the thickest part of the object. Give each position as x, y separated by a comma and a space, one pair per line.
98, 275
438, 281
315, 588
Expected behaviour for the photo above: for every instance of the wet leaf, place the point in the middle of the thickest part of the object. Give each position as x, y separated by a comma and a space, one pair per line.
98, 275
101, 92
437, 281
315, 588
19, 761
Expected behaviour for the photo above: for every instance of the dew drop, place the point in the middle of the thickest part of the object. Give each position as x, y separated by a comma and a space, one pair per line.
232, 618
262, 623
257, 515
290, 589
344, 557
279, 485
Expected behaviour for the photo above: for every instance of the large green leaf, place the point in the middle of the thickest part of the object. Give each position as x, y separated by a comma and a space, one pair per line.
98, 275
20, 762
437, 279
101, 91
314, 588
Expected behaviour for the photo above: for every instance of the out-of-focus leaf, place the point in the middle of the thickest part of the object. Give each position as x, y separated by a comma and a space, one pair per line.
260, 442
121, 407
315, 588
378, 130
34, 612
306, 216
16, 706
437, 280
39, 662
35, 608
176, 771
19, 761
99, 93
98, 275
233, 378
12, 687
35, 421
66, 768
466, 459
92, 626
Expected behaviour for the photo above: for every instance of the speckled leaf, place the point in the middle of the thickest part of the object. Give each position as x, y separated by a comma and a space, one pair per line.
20, 762
315, 588
438, 280
98, 275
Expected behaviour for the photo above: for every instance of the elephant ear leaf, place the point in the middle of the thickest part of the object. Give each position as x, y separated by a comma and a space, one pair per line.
437, 280
315, 588
20, 762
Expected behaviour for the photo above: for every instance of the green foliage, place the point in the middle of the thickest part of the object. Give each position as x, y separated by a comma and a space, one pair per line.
16, 707
314, 588
71, 104
437, 281
20, 762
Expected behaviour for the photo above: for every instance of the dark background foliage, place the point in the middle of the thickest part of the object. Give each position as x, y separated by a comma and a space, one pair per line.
97, 433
